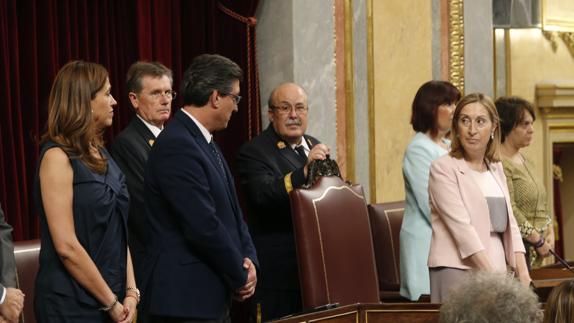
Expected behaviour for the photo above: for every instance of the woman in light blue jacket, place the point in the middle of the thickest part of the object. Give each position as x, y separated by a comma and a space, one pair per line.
431, 118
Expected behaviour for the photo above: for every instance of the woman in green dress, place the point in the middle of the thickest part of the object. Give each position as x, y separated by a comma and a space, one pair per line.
527, 192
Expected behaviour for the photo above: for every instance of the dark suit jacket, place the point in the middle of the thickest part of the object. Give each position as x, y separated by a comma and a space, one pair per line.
130, 150
7, 261
198, 236
269, 169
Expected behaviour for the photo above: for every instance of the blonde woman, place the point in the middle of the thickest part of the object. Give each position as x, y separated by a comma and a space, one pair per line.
473, 226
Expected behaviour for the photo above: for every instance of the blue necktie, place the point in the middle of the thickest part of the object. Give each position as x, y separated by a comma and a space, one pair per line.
217, 156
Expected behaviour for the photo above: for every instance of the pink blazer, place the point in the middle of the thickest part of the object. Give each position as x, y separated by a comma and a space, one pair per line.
460, 218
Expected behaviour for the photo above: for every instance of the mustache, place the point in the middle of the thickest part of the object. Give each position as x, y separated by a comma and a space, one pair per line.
293, 122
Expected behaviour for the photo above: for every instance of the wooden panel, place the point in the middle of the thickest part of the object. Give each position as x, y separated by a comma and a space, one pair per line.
373, 313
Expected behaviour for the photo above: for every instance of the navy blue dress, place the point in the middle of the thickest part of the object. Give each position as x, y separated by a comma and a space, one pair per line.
100, 206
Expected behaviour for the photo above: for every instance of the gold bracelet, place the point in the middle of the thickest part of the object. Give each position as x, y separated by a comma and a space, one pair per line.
135, 291
109, 307
134, 297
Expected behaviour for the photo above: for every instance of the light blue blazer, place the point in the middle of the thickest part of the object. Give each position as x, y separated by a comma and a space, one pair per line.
416, 229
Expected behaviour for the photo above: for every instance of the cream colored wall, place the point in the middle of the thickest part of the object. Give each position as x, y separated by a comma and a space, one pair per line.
402, 54
533, 61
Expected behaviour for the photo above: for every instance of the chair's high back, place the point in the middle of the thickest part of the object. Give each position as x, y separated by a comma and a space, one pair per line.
27, 264
334, 244
386, 221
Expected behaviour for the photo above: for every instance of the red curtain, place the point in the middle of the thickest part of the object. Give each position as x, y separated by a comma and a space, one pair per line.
559, 246
37, 37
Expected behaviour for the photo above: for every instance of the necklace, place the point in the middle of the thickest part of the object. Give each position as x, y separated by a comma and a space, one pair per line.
478, 168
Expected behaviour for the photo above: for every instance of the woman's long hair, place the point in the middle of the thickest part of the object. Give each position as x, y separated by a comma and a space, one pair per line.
560, 304
70, 120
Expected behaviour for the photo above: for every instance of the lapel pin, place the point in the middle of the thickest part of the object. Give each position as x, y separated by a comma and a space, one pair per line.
280, 145
150, 142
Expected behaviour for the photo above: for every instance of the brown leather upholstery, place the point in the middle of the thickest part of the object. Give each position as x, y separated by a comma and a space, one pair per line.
386, 221
334, 244
26, 253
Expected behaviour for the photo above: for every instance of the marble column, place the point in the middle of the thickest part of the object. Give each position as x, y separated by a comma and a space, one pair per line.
478, 47
296, 43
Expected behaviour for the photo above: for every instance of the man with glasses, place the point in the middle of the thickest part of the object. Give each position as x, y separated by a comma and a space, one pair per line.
149, 86
200, 251
270, 166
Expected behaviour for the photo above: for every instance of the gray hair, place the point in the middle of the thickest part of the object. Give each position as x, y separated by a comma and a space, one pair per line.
142, 68
484, 297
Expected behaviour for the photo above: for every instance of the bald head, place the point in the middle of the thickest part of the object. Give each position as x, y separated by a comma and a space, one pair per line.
288, 112
289, 87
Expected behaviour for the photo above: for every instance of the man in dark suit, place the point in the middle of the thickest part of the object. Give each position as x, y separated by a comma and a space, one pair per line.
11, 298
270, 166
150, 91
201, 253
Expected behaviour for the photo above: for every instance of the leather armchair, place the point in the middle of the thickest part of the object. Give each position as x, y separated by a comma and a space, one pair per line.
27, 264
386, 220
334, 244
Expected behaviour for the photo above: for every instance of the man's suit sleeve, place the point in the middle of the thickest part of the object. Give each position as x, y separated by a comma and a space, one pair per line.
130, 161
2, 294
265, 185
246, 241
187, 186
8, 263
131, 158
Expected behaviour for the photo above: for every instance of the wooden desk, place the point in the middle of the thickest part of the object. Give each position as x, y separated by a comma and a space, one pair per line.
372, 313
546, 278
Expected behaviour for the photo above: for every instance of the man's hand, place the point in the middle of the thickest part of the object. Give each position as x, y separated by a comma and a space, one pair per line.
13, 304
318, 152
249, 288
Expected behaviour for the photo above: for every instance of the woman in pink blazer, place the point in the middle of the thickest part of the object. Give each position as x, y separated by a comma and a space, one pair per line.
473, 226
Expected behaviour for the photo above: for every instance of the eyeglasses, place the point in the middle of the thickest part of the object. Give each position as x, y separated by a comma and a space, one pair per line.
169, 94
480, 122
236, 98
287, 108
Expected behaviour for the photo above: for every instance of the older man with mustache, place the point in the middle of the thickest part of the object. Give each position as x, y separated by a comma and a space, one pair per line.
270, 166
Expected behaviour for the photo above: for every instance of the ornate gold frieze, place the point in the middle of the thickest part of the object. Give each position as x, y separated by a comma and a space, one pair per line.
567, 39
456, 43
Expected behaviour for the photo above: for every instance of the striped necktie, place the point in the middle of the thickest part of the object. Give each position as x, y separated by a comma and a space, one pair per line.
217, 156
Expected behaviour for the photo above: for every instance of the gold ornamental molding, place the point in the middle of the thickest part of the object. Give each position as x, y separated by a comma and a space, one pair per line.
558, 15
558, 22
456, 43
567, 39
556, 99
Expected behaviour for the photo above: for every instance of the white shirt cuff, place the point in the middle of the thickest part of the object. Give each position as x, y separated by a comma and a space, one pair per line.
3, 295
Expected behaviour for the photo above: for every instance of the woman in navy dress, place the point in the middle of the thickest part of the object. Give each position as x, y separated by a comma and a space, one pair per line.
85, 272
